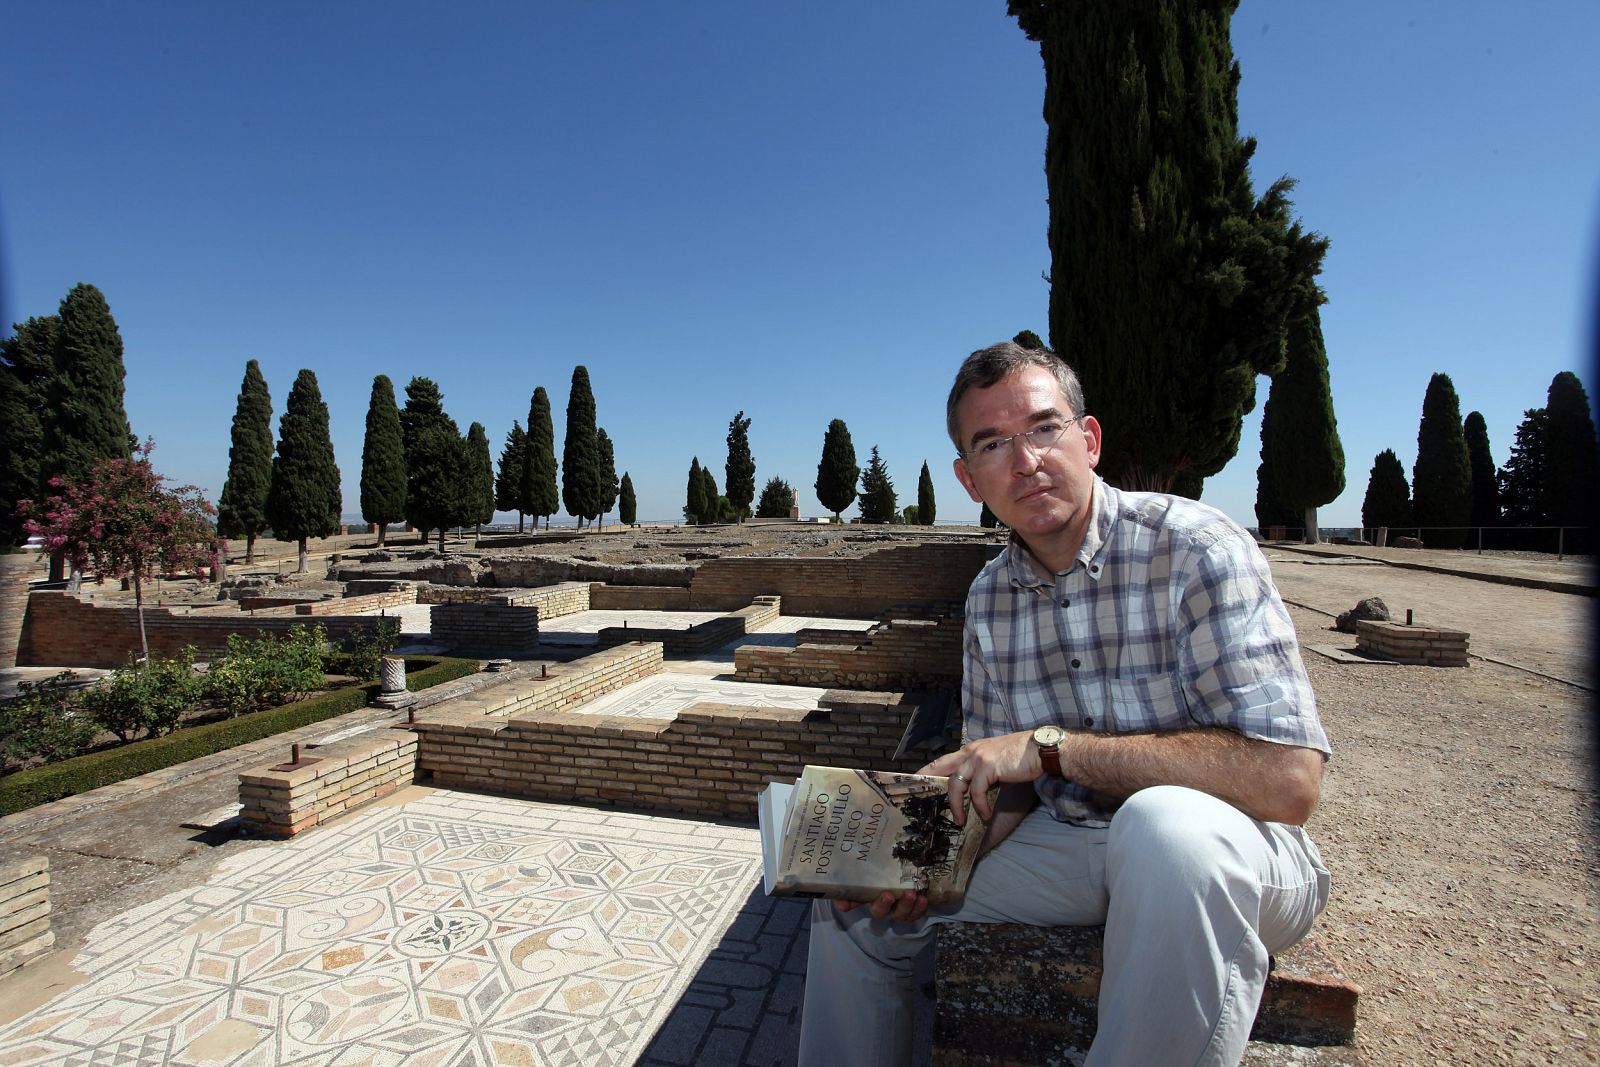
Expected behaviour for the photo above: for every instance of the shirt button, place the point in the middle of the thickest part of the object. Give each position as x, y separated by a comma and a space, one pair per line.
1065, 602
1088, 720
1076, 664
1094, 568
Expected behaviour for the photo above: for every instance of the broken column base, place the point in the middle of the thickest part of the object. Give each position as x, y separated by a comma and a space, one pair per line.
1426, 645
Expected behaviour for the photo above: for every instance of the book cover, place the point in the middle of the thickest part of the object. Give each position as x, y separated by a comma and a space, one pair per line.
851, 834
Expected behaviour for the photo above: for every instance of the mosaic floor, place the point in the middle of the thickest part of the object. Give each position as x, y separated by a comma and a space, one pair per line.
452, 930
662, 696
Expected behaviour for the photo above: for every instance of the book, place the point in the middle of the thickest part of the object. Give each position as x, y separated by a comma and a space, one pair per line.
851, 834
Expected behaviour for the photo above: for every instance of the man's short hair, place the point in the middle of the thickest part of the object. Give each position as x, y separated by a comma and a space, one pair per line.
989, 365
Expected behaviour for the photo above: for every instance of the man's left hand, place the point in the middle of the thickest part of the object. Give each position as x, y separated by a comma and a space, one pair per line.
979, 766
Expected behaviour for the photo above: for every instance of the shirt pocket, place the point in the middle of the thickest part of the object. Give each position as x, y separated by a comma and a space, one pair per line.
1144, 701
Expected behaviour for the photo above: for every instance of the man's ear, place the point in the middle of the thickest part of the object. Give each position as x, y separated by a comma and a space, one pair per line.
965, 478
1091, 440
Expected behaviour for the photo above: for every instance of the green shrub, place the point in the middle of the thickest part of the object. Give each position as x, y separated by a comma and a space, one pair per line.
45, 721
266, 671
146, 698
361, 654
41, 785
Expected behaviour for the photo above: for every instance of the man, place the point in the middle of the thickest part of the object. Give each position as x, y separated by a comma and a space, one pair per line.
1133, 685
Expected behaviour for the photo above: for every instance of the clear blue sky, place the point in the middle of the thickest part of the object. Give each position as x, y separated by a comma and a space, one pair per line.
805, 212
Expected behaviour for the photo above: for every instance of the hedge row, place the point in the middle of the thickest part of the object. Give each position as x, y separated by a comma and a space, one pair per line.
27, 789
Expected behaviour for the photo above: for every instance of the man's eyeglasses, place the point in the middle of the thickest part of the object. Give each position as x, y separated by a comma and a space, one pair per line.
1041, 439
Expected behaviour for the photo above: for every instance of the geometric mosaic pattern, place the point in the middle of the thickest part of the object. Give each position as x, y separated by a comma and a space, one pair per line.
454, 929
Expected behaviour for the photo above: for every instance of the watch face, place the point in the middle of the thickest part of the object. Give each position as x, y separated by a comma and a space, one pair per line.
1049, 735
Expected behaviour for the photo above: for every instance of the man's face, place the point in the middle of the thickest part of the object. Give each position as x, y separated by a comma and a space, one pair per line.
1043, 495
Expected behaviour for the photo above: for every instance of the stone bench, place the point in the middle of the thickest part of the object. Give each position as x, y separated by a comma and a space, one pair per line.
1009, 994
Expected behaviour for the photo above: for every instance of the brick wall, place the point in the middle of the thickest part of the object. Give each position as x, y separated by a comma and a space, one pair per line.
17, 570
900, 654
489, 629
563, 598
604, 597
25, 932
1426, 645
846, 588
346, 774
702, 636
564, 686
61, 630
710, 761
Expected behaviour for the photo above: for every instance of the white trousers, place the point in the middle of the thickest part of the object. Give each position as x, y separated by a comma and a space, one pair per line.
1194, 895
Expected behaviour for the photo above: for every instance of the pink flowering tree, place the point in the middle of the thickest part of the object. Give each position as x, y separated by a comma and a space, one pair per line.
122, 521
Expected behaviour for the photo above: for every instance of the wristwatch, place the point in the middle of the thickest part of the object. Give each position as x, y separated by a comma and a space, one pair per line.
1049, 738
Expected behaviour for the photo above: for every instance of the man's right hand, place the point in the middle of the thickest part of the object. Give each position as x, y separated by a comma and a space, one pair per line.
906, 906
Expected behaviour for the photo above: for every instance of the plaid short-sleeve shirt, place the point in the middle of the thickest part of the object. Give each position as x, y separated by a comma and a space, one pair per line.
1167, 620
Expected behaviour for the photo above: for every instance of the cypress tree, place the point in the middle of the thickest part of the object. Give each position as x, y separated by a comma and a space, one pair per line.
580, 461
508, 482
442, 493
383, 460
741, 466
86, 420
304, 499
1171, 283
712, 498
539, 496
1572, 458
1485, 486
242, 508
926, 508
837, 472
424, 410
1522, 479
627, 503
1299, 434
480, 487
27, 362
987, 519
694, 503
1441, 480
878, 502
1028, 339
608, 473
1388, 499
777, 500
1271, 511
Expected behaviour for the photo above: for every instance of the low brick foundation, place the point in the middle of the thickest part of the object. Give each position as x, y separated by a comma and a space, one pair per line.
702, 637
710, 761
1009, 994
638, 597
25, 932
62, 630
843, 588
493, 628
563, 686
1425, 645
346, 774
900, 654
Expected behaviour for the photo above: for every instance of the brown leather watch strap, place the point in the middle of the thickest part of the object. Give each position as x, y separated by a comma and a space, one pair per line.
1050, 757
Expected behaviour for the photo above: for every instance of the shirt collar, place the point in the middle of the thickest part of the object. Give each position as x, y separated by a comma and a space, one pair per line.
1022, 566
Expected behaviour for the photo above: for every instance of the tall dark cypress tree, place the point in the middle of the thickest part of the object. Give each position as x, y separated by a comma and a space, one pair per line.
580, 461
1298, 429
1388, 499
539, 496
304, 500
694, 500
1270, 510
837, 472
627, 502
1028, 339
1171, 283
383, 460
1572, 459
709, 493
1522, 479
878, 503
926, 507
740, 486
442, 493
777, 499
1485, 484
424, 410
607, 462
242, 509
508, 482
86, 420
480, 489
27, 363
1441, 480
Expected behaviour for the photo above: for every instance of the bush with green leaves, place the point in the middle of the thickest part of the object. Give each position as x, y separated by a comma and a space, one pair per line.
267, 671
361, 654
149, 698
45, 722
